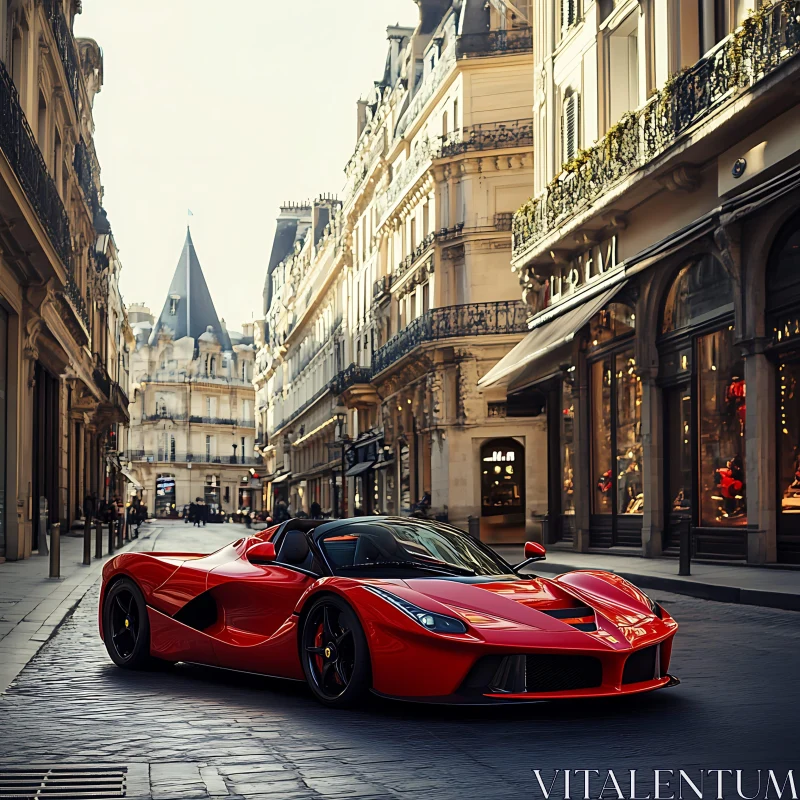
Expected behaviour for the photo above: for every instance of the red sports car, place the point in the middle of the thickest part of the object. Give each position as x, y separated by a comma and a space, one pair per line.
405, 608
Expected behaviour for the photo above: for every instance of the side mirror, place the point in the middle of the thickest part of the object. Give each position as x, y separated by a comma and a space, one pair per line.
262, 553
534, 551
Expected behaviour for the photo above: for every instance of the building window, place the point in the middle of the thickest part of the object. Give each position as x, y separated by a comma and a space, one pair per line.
567, 440
173, 305
569, 14
213, 368
570, 121
208, 447
211, 491
623, 68
721, 432
704, 407
171, 448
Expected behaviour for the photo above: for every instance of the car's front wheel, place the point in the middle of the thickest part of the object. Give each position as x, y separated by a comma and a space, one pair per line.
126, 627
335, 653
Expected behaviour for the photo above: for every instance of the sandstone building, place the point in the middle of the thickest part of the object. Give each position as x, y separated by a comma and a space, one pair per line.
63, 329
192, 401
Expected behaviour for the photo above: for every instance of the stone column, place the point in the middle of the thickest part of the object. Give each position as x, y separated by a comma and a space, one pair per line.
652, 465
760, 453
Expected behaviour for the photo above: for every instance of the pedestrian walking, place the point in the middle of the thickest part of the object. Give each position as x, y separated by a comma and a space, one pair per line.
316, 510
195, 512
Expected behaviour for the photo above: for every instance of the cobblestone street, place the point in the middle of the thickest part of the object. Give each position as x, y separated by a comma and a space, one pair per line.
198, 732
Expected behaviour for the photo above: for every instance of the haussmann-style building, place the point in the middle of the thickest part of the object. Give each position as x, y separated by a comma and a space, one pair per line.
659, 258
192, 403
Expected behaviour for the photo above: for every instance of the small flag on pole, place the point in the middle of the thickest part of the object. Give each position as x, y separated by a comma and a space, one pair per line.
190, 212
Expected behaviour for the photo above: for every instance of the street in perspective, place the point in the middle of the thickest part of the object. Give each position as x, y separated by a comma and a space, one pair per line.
441, 433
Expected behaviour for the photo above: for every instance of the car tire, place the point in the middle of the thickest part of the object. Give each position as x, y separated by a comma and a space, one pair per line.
335, 654
126, 626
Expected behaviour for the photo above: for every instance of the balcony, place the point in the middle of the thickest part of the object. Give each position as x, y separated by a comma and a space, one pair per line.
66, 48
487, 136
452, 322
162, 457
419, 251
490, 43
380, 289
237, 423
767, 39
354, 386
20, 148
300, 410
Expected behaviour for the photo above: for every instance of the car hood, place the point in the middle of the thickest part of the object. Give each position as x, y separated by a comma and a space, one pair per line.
531, 601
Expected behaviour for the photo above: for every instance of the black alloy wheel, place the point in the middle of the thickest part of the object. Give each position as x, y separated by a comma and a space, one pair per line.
126, 627
334, 653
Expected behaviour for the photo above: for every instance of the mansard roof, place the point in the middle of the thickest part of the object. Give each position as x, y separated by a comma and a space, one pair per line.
188, 309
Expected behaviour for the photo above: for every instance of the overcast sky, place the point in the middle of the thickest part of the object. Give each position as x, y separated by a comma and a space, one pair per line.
227, 110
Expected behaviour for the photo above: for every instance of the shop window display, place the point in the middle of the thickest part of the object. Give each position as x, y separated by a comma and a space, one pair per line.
601, 435
567, 439
721, 409
701, 291
617, 440
502, 477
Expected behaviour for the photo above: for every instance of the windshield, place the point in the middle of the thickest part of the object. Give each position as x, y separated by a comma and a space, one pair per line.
399, 547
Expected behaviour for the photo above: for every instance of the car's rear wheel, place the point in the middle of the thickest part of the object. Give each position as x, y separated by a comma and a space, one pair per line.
335, 653
126, 627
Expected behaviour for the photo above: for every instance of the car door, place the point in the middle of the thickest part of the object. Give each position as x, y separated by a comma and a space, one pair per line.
256, 628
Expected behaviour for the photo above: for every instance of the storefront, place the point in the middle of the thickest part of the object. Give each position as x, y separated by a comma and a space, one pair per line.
702, 378
783, 322
3, 424
361, 459
502, 471
615, 399
165, 496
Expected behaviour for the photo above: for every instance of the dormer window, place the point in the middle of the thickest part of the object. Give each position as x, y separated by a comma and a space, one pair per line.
173, 304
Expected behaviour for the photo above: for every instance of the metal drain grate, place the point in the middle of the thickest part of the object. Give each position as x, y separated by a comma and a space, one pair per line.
65, 783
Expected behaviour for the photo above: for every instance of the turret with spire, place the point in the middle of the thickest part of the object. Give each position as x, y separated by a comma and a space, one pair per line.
188, 309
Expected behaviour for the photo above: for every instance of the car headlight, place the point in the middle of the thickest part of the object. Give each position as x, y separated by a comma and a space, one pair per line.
430, 620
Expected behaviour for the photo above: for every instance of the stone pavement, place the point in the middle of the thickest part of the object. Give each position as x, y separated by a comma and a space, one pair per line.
194, 733
772, 587
32, 605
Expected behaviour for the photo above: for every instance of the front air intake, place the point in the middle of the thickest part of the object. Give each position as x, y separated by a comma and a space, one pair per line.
642, 665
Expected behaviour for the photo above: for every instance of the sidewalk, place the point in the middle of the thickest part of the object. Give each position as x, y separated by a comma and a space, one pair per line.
32, 605
756, 586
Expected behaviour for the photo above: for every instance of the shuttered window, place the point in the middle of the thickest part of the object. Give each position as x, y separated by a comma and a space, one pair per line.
569, 13
569, 127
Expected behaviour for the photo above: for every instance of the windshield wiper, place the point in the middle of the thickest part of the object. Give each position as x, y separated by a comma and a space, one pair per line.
446, 570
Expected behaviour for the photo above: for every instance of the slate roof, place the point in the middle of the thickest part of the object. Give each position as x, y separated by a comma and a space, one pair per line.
194, 311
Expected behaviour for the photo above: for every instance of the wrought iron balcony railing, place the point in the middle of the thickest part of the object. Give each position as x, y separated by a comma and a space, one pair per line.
23, 154
412, 258
765, 41
190, 458
487, 136
165, 416
240, 423
380, 288
513, 40
300, 409
101, 377
65, 44
450, 322
84, 169
354, 375
75, 298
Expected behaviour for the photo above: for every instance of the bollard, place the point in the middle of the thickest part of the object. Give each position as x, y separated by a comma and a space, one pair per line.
55, 550
87, 542
120, 532
474, 527
98, 539
685, 561
110, 537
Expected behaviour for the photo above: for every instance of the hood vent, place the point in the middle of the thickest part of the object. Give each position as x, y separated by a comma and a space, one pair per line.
580, 617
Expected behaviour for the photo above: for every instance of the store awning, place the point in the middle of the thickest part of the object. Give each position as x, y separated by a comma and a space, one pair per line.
128, 477
545, 338
359, 469
282, 478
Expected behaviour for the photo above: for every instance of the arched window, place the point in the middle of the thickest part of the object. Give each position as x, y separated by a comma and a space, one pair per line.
783, 284
701, 291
